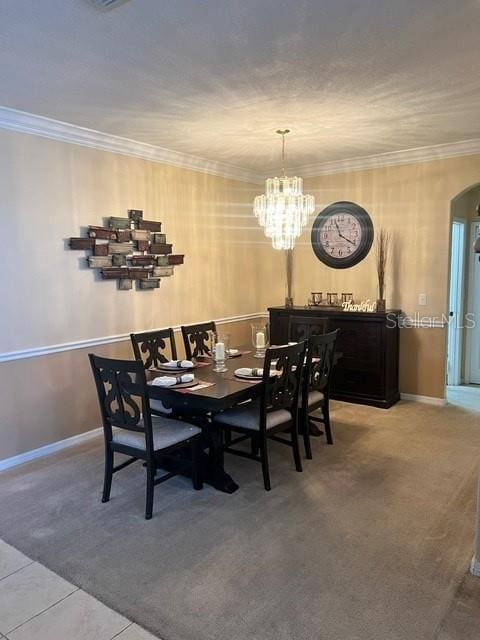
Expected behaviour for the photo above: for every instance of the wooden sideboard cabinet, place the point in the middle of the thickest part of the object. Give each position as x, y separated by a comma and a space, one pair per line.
367, 372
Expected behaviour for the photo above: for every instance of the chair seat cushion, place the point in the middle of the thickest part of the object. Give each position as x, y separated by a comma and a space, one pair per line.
247, 416
166, 433
159, 407
314, 397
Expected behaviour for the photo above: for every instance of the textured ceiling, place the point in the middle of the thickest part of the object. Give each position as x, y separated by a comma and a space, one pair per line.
215, 78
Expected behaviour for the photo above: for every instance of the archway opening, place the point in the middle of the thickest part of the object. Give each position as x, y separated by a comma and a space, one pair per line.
463, 336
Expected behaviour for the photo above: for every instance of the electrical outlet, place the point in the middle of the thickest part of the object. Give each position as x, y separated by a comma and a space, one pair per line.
422, 299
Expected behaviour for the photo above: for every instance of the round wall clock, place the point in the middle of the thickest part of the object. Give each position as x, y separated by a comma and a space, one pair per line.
342, 235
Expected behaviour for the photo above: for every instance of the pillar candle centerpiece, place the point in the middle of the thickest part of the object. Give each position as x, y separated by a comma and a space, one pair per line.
260, 339
220, 343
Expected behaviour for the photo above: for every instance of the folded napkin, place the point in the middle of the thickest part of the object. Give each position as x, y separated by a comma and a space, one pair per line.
246, 371
178, 364
171, 381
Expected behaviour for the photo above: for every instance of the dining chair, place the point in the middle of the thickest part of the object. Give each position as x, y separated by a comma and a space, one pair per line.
315, 394
130, 428
198, 336
275, 412
153, 348
302, 327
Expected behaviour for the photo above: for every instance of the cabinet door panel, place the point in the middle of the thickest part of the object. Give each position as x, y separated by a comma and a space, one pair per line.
361, 383
361, 345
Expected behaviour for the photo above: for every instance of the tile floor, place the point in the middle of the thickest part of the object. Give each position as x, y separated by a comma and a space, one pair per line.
465, 395
36, 604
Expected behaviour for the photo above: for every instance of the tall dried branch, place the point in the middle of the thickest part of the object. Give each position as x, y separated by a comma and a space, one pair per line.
382, 250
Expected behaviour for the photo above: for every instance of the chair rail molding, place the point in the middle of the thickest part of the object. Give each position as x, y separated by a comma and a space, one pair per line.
24, 122
93, 342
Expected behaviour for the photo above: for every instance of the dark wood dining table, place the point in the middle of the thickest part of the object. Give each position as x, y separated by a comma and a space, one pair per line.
225, 392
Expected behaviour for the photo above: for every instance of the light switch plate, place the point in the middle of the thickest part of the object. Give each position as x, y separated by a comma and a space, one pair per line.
422, 299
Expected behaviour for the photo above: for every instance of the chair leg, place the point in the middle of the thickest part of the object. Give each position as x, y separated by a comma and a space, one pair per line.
264, 457
107, 480
197, 479
326, 417
295, 447
228, 437
254, 445
306, 437
150, 490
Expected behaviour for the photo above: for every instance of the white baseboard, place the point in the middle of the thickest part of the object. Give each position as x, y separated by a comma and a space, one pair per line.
7, 463
475, 567
440, 402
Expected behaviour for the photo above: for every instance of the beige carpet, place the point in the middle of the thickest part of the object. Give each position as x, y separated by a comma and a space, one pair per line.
371, 542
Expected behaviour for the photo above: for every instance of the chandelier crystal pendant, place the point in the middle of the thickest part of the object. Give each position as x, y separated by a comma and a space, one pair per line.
283, 210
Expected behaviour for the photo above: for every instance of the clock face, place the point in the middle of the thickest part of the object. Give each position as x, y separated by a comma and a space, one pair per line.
342, 235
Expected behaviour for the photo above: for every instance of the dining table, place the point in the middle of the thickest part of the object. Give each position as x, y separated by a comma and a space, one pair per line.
212, 393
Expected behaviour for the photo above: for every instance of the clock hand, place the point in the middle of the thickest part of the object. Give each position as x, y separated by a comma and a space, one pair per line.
348, 240
341, 234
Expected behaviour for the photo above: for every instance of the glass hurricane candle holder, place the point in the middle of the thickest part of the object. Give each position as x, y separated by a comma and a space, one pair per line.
220, 345
260, 339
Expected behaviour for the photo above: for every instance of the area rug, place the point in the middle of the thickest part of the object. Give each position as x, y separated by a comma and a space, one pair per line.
371, 542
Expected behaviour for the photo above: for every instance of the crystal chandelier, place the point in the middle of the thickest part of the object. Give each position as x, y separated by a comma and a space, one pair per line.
283, 209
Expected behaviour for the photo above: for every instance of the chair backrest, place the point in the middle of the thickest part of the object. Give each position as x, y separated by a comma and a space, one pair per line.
150, 347
199, 337
302, 327
319, 362
122, 395
281, 391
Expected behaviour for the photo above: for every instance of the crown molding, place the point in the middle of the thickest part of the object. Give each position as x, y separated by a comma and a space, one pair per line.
407, 156
24, 122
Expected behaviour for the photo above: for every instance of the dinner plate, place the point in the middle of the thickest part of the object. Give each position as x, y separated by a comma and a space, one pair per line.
184, 385
165, 369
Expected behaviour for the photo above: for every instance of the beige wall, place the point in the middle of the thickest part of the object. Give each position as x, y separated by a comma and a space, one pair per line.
52, 190
413, 203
